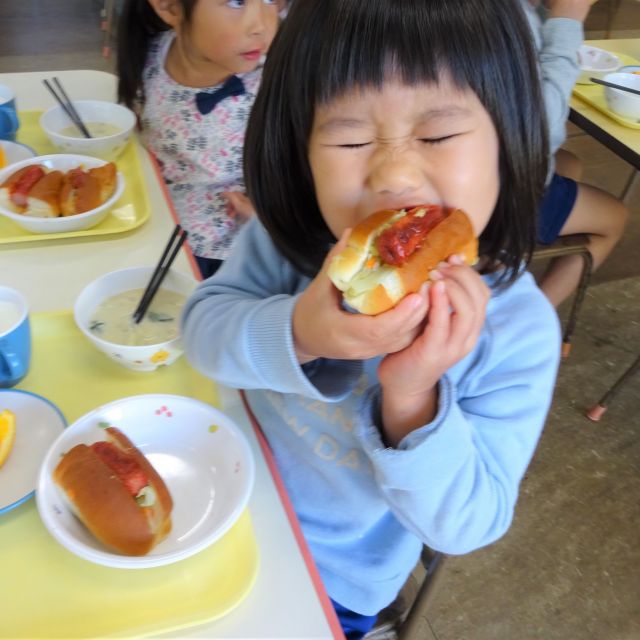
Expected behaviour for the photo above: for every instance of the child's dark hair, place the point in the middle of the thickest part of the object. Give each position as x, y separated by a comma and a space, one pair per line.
137, 26
327, 47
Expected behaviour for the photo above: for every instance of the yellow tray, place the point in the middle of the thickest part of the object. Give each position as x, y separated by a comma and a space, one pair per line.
593, 94
49, 592
131, 211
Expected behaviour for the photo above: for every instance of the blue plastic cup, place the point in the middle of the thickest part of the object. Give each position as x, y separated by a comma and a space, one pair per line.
15, 337
9, 122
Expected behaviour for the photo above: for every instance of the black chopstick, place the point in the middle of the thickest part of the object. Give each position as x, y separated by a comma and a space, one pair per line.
615, 86
67, 106
169, 254
71, 107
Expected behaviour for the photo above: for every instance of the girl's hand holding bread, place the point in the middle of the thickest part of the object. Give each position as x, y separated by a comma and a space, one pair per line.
457, 307
323, 329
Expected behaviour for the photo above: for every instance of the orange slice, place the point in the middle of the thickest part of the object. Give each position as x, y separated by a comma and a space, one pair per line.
7, 434
3, 158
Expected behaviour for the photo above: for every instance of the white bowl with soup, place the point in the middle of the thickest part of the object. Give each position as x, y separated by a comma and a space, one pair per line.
103, 312
109, 124
624, 103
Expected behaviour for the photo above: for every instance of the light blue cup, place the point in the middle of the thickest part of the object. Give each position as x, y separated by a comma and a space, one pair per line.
8, 117
15, 337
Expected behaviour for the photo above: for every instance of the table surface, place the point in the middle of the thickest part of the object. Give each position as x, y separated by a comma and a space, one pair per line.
287, 600
622, 140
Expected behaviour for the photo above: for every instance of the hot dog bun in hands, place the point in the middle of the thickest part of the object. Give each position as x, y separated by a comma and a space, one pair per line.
391, 253
116, 493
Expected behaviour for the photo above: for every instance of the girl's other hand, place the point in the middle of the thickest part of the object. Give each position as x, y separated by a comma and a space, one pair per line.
457, 308
238, 205
323, 329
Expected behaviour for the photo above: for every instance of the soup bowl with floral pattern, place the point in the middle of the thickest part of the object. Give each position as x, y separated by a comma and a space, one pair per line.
92, 322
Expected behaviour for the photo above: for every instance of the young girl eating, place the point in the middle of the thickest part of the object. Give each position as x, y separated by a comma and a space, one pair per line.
191, 70
414, 426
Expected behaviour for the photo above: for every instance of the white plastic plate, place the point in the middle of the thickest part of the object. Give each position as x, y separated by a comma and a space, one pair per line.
203, 457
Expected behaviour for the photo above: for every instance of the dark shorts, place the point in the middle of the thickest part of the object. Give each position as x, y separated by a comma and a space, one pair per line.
208, 266
557, 203
355, 625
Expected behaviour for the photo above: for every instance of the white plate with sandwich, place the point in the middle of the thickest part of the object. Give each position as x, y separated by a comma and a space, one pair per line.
202, 457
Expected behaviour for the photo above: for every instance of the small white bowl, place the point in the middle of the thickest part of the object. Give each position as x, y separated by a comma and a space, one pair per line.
139, 358
595, 63
64, 224
108, 147
15, 152
203, 457
623, 103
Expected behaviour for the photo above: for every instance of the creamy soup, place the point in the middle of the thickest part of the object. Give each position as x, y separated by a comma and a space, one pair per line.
112, 320
96, 129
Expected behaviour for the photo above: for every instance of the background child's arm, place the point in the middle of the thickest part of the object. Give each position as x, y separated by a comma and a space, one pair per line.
454, 482
239, 205
558, 41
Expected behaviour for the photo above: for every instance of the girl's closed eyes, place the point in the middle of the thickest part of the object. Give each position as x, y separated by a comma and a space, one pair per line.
432, 141
441, 125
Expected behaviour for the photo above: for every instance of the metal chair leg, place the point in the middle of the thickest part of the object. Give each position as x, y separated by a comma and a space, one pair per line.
596, 412
565, 246
410, 627
630, 185
578, 299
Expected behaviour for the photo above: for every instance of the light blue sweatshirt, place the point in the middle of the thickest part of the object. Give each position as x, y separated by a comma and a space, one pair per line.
366, 509
557, 41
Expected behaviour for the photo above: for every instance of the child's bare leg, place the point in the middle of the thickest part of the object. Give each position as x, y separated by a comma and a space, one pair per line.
597, 214
568, 165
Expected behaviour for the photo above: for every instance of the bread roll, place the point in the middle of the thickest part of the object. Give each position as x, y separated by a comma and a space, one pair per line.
372, 286
100, 494
43, 201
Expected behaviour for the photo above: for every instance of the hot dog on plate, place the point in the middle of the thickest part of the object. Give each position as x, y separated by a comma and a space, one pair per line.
36, 191
116, 493
392, 252
42, 199
85, 190
15, 189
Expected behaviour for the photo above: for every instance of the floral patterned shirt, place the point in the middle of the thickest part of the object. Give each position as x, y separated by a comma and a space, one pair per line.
199, 155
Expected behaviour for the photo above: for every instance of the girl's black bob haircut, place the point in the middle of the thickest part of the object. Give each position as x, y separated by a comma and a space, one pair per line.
138, 25
325, 48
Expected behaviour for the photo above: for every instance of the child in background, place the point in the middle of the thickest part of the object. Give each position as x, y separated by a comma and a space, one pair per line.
414, 426
568, 206
191, 70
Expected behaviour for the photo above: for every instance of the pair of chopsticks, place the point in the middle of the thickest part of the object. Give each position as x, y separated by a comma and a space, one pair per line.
63, 100
169, 254
605, 83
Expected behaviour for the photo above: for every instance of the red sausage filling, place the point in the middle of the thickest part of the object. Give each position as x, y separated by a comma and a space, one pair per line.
405, 236
123, 465
20, 189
